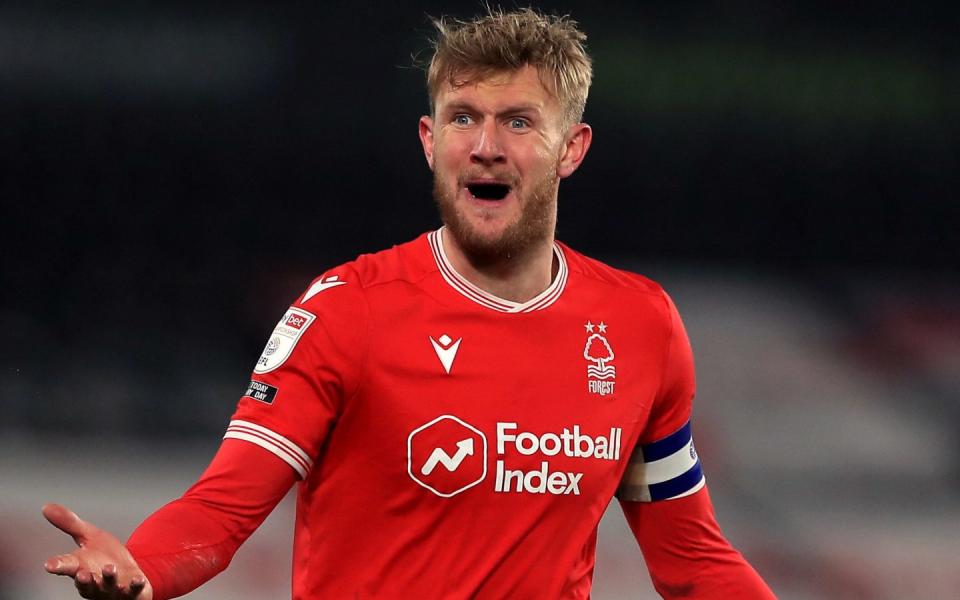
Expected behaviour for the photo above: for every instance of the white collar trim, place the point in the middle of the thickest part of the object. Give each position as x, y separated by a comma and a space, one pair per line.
471, 291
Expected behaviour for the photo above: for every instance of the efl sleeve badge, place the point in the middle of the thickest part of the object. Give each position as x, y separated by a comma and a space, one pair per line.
283, 339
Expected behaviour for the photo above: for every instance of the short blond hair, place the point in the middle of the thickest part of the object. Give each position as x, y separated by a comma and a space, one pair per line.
499, 41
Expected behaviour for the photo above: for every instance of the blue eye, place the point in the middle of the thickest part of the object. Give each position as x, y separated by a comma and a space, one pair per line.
518, 123
462, 120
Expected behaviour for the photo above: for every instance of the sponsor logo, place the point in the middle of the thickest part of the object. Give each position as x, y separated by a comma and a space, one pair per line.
601, 375
446, 350
448, 456
295, 320
283, 339
571, 442
260, 391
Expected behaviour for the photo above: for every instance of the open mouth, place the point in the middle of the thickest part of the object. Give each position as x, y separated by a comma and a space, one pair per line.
489, 191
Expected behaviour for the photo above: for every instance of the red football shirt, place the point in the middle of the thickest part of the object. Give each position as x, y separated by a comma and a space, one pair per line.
454, 444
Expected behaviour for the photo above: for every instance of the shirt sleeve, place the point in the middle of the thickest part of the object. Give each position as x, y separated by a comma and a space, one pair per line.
191, 539
309, 367
686, 553
664, 463
664, 497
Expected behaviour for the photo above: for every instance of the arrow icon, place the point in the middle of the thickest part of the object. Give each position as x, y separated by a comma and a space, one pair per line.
464, 449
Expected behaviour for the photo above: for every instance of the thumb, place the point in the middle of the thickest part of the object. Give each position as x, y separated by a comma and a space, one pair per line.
64, 564
67, 521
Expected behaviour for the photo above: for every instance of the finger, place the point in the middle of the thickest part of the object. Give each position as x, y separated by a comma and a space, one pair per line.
64, 564
109, 576
66, 521
136, 586
85, 583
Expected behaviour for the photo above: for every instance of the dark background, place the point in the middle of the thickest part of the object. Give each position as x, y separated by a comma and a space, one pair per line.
174, 173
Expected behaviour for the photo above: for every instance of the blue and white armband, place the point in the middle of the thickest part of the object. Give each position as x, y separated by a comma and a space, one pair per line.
663, 470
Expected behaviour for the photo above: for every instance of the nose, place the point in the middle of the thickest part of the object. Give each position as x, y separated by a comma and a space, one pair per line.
488, 150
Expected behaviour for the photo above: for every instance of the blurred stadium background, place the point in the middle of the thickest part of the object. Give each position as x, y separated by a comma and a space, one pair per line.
175, 172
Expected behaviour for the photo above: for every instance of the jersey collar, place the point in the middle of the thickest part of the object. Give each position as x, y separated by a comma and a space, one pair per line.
459, 283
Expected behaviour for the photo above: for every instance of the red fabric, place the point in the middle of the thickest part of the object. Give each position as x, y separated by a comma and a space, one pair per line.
365, 400
686, 553
193, 538
674, 400
357, 399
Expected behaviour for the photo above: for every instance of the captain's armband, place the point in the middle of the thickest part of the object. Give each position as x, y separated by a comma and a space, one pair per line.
662, 470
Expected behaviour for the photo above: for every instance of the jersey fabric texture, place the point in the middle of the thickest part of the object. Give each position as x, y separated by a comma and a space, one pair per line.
455, 444
452, 444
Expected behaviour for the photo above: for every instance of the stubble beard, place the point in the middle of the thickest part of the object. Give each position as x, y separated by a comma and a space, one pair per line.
535, 224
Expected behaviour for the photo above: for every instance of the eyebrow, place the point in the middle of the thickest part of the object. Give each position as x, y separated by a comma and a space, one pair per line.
510, 110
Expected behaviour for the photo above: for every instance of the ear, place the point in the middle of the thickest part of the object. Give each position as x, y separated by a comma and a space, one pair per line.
575, 149
426, 138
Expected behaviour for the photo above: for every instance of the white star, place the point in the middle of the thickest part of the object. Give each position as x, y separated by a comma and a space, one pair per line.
589, 327
603, 327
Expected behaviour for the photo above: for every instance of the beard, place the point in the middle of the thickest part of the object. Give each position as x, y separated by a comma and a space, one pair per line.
535, 223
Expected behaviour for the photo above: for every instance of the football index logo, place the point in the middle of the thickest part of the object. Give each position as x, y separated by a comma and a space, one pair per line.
447, 456
601, 376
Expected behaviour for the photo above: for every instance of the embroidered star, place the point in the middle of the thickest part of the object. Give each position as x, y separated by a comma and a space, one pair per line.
603, 327
589, 327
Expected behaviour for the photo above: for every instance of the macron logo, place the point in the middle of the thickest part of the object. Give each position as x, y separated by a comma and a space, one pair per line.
446, 350
450, 463
323, 284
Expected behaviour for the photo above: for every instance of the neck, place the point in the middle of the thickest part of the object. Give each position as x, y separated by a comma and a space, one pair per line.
518, 278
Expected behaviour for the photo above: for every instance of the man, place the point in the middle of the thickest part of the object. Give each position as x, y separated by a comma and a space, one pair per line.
459, 409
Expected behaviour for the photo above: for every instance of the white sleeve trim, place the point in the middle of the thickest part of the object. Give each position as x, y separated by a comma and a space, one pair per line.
272, 442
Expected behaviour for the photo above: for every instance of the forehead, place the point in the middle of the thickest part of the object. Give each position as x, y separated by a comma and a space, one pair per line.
521, 86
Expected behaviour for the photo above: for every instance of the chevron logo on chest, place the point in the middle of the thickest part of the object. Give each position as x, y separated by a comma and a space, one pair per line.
446, 349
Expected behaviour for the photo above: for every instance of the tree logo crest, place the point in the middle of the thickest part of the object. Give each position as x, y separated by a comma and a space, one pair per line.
601, 375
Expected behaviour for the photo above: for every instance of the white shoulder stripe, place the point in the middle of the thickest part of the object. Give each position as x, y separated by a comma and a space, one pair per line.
272, 442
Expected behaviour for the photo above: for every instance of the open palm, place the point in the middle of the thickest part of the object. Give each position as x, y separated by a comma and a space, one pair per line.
102, 567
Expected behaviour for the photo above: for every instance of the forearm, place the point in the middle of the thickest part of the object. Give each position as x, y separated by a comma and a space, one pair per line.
190, 540
179, 548
687, 554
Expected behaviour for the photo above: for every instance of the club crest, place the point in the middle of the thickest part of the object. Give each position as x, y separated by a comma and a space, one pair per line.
601, 375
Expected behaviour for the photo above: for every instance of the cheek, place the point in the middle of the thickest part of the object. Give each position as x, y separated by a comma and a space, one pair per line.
446, 151
540, 159
540, 150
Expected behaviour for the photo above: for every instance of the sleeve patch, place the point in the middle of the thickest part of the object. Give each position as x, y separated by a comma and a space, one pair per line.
274, 443
284, 339
663, 470
260, 391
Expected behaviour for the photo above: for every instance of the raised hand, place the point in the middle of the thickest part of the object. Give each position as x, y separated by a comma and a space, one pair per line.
101, 567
